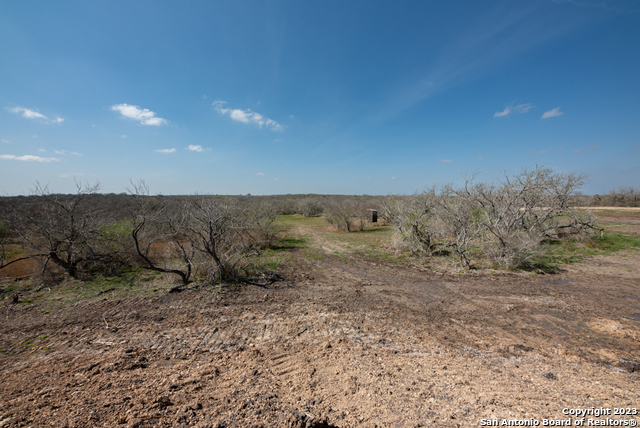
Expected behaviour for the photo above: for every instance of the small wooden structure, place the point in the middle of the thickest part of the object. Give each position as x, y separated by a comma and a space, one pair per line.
373, 215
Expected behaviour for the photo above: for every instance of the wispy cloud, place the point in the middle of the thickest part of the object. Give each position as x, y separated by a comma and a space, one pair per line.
32, 114
247, 116
261, 174
196, 148
166, 150
6, 141
145, 116
513, 108
497, 36
552, 113
480, 157
586, 149
28, 158
445, 160
394, 178
65, 152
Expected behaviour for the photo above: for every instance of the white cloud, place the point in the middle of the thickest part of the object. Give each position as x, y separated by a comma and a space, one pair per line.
586, 149
27, 113
6, 141
32, 114
28, 158
513, 108
145, 116
480, 157
196, 148
247, 116
122, 136
393, 178
552, 113
64, 152
166, 150
260, 174
445, 160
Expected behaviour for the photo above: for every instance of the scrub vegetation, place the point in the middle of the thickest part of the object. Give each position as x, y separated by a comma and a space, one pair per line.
525, 221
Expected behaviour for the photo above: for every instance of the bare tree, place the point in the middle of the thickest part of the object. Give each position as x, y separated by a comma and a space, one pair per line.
310, 207
153, 231
340, 212
508, 220
525, 209
63, 229
413, 219
458, 219
349, 213
259, 222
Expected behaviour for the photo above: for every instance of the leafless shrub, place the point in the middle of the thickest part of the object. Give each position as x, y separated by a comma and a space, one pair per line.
227, 235
361, 212
350, 213
523, 210
458, 224
623, 197
66, 230
259, 222
286, 206
310, 207
413, 218
508, 221
154, 231
341, 212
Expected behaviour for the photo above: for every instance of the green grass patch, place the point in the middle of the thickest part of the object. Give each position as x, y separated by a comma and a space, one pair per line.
559, 252
616, 241
291, 243
287, 221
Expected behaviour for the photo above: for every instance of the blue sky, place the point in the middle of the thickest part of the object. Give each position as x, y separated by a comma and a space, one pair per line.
350, 97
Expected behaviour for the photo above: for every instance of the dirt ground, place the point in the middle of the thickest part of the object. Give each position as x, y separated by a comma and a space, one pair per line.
339, 342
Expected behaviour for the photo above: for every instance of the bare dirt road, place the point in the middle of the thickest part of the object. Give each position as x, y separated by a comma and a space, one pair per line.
340, 342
